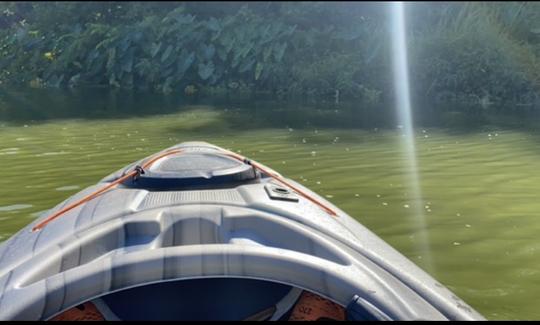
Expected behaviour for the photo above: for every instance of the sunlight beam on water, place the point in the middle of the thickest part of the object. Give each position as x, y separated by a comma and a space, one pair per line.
403, 107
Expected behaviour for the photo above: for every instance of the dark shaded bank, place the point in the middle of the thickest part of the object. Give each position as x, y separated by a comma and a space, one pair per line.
23, 105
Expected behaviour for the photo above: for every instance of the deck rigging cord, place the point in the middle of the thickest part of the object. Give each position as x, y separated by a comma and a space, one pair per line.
138, 170
281, 180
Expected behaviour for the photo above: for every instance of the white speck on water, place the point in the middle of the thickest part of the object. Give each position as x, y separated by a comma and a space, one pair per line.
26, 125
304, 140
51, 153
357, 195
346, 149
426, 136
34, 186
318, 182
378, 195
329, 196
314, 153
39, 213
291, 129
458, 214
67, 188
283, 162
423, 131
21, 139
428, 210
457, 243
406, 206
427, 207
384, 203
15, 207
468, 226
9, 153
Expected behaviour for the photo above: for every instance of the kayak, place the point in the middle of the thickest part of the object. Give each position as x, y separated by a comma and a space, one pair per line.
197, 232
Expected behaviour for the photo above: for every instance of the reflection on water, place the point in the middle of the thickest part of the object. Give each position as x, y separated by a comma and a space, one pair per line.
480, 187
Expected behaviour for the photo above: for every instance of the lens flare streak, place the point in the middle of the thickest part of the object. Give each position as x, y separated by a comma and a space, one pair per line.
403, 107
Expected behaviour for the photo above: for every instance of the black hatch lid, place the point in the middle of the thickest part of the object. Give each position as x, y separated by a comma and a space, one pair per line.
193, 170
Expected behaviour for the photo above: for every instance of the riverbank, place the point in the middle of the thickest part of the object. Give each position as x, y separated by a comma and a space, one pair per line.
473, 54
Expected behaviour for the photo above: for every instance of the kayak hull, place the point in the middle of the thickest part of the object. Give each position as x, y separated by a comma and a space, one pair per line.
240, 227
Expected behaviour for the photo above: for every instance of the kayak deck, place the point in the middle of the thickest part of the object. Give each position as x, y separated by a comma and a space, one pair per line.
246, 226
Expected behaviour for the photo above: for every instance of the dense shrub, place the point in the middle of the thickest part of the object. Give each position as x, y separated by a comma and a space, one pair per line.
464, 52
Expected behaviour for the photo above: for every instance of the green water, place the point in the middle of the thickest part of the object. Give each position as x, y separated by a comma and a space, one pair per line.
481, 188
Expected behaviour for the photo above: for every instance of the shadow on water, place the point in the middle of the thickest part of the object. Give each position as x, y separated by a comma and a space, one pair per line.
24, 105
20, 105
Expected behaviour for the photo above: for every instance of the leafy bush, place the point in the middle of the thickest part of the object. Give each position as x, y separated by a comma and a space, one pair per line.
466, 52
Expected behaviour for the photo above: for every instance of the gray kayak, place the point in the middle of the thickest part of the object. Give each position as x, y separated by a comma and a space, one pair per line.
194, 232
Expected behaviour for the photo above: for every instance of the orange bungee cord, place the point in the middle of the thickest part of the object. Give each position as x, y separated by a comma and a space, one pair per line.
281, 180
138, 170
134, 173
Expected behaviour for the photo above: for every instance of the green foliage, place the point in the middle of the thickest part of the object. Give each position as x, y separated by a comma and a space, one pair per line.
472, 52
477, 53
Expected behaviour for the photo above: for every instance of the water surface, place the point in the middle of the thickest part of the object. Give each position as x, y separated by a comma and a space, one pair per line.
480, 187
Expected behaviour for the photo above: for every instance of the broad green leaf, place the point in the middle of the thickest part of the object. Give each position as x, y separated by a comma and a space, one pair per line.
246, 66
166, 54
222, 54
208, 51
206, 70
127, 61
155, 49
167, 85
266, 53
184, 62
213, 24
279, 51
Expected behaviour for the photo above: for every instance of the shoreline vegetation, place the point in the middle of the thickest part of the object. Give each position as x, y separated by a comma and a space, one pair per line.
467, 53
